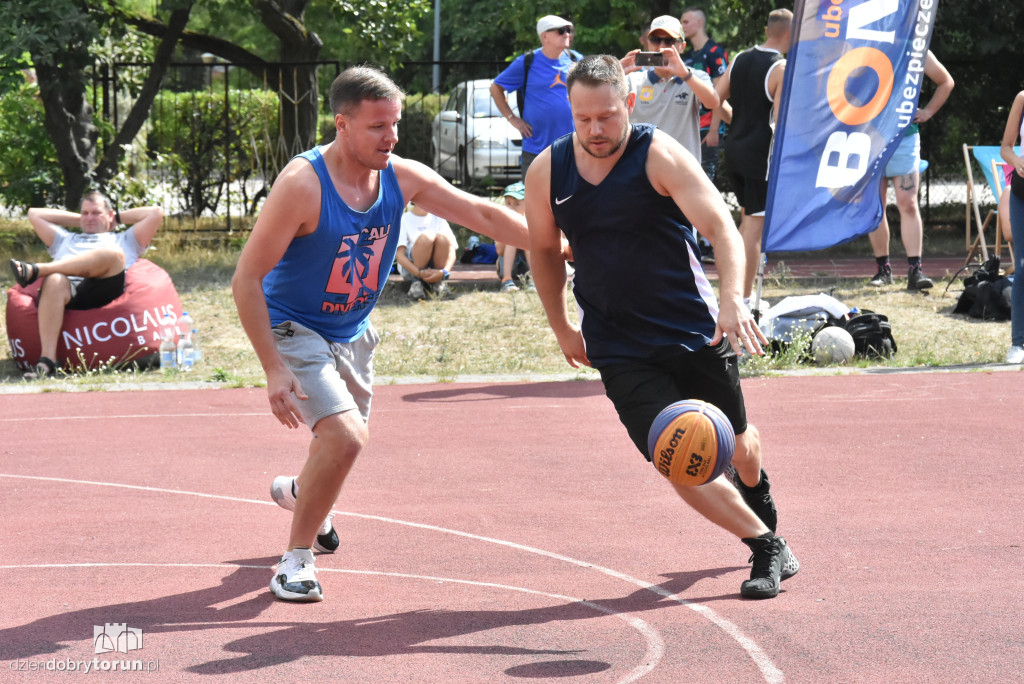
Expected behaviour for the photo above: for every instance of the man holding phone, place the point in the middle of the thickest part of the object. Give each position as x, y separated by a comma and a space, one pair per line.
669, 94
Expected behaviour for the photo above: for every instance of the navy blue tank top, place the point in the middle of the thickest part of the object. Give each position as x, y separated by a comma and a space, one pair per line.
639, 283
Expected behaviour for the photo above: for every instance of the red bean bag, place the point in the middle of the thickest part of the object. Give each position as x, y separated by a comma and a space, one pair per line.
125, 331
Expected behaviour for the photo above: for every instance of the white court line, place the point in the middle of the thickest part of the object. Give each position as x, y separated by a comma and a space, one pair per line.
771, 673
233, 414
655, 645
133, 416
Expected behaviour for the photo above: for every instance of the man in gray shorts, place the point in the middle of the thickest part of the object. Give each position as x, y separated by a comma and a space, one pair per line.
312, 270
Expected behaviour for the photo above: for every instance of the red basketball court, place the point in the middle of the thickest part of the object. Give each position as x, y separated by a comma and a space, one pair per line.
501, 532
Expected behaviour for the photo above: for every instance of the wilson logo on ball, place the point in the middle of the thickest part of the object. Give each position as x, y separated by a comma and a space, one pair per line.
697, 429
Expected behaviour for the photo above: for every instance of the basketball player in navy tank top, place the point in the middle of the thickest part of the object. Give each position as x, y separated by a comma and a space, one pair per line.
307, 279
627, 199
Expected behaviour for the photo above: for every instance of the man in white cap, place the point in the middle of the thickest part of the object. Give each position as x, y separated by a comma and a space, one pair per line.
669, 96
538, 77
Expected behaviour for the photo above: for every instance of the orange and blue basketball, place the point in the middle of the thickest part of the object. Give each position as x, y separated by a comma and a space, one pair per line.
691, 442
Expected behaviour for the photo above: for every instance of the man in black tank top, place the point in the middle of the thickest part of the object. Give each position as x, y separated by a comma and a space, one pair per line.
625, 196
753, 86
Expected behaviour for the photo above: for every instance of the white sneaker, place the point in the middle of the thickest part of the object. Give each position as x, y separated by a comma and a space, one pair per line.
295, 577
283, 491
416, 290
1015, 355
439, 290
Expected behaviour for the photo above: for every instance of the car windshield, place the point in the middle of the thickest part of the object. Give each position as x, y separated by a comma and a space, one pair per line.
483, 103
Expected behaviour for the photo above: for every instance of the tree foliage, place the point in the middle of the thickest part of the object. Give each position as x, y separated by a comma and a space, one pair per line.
55, 38
62, 40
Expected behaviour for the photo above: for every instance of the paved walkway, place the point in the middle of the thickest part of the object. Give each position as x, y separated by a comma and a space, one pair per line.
798, 266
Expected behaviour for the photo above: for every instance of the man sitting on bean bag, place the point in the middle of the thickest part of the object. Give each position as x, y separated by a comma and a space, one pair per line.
88, 268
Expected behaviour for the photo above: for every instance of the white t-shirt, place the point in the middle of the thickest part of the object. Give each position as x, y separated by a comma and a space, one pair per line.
65, 244
414, 226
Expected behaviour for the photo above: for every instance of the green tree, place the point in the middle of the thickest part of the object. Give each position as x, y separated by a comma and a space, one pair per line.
263, 35
55, 38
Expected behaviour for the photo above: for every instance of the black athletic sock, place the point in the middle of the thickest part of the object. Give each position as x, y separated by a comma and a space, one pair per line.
914, 262
882, 261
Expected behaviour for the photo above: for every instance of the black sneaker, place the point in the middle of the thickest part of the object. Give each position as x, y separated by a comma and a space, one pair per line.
759, 498
917, 281
883, 277
773, 562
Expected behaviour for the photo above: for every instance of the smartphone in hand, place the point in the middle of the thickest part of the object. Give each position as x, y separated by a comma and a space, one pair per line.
655, 59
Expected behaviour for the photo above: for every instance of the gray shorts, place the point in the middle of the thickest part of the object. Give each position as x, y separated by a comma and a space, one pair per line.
336, 376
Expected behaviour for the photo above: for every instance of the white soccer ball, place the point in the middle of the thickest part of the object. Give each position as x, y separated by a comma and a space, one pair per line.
832, 345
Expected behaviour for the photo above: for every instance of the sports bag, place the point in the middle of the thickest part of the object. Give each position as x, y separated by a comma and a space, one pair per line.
986, 294
872, 335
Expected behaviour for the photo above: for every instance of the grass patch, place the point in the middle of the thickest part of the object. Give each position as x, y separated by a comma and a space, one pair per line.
488, 333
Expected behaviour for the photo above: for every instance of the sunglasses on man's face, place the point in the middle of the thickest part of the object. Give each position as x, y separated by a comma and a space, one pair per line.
661, 40
562, 31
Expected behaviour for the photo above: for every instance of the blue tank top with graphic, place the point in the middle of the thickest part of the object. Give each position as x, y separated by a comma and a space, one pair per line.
639, 284
330, 280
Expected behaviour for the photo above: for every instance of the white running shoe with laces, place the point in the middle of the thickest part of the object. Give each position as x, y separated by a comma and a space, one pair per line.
295, 577
284, 490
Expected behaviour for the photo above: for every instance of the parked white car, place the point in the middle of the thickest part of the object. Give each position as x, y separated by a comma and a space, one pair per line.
472, 141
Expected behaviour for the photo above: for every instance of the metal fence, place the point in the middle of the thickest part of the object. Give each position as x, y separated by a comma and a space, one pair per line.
218, 133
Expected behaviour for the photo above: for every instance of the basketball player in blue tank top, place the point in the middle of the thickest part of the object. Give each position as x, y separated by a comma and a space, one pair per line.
625, 196
305, 284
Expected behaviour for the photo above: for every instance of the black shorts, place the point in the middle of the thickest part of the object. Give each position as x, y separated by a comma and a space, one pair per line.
751, 193
93, 293
640, 390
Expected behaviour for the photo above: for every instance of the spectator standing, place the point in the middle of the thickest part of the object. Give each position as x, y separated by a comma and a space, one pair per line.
670, 97
88, 267
426, 252
1013, 132
753, 84
539, 77
708, 56
904, 170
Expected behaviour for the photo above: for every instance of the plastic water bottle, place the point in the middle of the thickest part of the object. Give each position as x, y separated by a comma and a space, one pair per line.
168, 351
185, 324
187, 328
197, 353
185, 352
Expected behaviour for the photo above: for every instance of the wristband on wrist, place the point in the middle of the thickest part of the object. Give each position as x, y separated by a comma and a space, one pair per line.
446, 273
689, 74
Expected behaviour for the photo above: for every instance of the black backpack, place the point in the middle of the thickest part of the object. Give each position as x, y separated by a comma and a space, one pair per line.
986, 294
872, 335
521, 93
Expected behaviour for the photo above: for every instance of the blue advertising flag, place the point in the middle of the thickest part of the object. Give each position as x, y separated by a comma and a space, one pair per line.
853, 79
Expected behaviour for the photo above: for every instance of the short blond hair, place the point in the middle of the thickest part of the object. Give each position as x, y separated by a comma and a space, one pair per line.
779, 21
